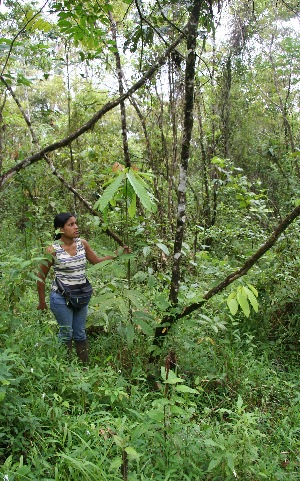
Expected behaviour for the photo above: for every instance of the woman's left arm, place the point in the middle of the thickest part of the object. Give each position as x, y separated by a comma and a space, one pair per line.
94, 259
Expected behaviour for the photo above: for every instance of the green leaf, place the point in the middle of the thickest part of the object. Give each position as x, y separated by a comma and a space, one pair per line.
252, 298
132, 207
232, 305
42, 25
116, 464
133, 296
156, 415
144, 326
107, 7
163, 247
123, 307
211, 442
140, 190
214, 463
132, 453
109, 192
21, 80
239, 402
243, 301
253, 289
230, 462
183, 388
143, 315
129, 334
218, 161
64, 23
5, 40
172, 378
177, 411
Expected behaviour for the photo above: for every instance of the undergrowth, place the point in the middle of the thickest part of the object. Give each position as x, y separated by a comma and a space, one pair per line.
230, 410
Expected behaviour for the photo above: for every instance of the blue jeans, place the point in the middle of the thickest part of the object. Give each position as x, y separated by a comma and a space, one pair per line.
71, 321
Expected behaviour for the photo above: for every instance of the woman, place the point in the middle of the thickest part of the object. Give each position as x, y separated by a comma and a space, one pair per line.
69, 257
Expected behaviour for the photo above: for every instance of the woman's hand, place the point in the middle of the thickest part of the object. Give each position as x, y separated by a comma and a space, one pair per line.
42, 306
120, 252
93, 258
126, 250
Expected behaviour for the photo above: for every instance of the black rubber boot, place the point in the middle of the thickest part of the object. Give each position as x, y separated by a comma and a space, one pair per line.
82, 350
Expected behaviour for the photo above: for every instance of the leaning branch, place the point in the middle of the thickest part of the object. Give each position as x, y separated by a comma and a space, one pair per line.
90, 124
162, 330
270, 242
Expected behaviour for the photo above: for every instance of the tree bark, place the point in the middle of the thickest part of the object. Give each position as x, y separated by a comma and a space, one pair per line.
2, 129
225, 106
121, 92
185, 147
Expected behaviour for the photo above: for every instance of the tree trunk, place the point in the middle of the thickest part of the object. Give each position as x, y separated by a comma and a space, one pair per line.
225, 106
185, 147
121, 92
2, 128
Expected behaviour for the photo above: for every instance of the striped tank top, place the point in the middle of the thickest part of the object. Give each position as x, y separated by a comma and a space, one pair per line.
69, 269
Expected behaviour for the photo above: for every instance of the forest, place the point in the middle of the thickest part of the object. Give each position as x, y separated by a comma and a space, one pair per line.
173, 127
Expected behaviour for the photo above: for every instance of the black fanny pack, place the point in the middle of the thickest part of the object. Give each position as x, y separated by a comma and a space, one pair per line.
76, 296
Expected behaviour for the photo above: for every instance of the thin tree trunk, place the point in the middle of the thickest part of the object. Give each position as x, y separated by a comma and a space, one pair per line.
162, 153
185, 148
121, 92
2, 128
72, 164
283, 102
225, 106
125, 153
172, 165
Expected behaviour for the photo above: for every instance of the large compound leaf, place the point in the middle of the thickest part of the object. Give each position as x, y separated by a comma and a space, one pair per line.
242, 299
140, 190
109, 192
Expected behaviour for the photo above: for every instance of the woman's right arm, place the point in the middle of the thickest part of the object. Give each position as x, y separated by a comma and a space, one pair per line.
42, 274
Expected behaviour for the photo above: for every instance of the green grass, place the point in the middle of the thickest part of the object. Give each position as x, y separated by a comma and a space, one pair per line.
230, 412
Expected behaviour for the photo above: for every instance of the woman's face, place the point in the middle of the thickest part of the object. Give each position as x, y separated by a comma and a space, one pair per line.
70, 229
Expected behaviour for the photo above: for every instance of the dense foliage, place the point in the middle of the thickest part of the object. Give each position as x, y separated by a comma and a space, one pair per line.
218, 397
